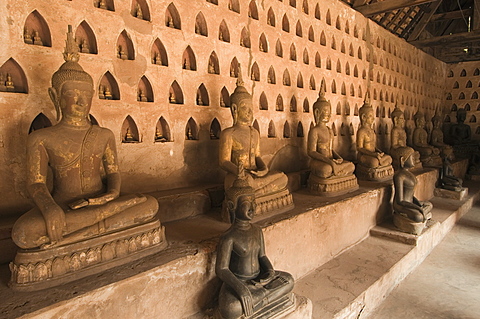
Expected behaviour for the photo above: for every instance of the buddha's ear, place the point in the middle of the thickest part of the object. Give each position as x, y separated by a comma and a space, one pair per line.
316, 112
234, 110
402, 161
231, 210
54, 97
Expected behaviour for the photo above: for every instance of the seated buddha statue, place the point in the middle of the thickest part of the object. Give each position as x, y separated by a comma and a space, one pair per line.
399, 138
409, 214
240, 147
330, 173
373, 164
447, 178
81, 159
436, 138
461, 138
250, 284
429, 155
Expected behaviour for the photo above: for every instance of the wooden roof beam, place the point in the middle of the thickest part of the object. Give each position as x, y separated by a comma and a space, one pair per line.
427, 15
458, 14
388, 5
450, 40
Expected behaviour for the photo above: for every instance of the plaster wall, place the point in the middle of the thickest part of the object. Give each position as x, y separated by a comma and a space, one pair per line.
354, 55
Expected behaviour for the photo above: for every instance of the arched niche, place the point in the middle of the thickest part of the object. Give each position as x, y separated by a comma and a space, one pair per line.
342, 47
456, 85
172, 17
474, 95
234, 5
477, 131
312, 84
85, 38
262, 43
245, 39
253, 10
202, 96
347, 28
355, 71
343, 90
338, 23
159, 54
339, 66
476, 72
145, 90
271, 17
342, 130
318, 60
293, 104
334, 43
298, 29
293, 3
279, 49
213, 64
162, 131
140, 10
447, 119
461, 96
189, 62
129, 131
328, 63
39, 122
12, 78
317, 12
352, 90
293, 52
224, 98
105, 4
347, 68
191, 130
234, 68
346, 109
279, 103
256, 126
223, 33
299, 80
334, 129
108, 88
286, 78
285, 23
463, 73
311, 34
36, 30
328, 18
355, 110
305, 6
469, 84
125, 49
271, 130
360, 91
286, 130
255, 72
175, 94
306, 57
263, 102
201, 25
467, 107
334, 86
215, 129
473, 119
338, 109
215, 2
300, 130
355, 31
271, 76
306, 106
93, 120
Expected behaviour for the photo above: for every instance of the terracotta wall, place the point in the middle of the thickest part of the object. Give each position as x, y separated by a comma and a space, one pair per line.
331, 42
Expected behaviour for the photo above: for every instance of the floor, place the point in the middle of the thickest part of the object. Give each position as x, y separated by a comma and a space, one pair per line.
447, 283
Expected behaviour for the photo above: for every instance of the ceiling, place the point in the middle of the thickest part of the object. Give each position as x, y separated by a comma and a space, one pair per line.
446, 29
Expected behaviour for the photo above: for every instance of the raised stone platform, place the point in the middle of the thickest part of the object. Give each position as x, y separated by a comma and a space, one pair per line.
446, 193
382, 173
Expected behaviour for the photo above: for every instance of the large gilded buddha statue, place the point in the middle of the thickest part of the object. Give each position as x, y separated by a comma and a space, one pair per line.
240, 150
330, 174
83, 220
399, 139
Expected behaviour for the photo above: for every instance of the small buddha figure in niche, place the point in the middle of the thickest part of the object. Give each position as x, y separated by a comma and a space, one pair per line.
186, 64
447, 178
84, 47
171, 97
436, 138
108, 93
409, 214
429, 155
129, 138
170, 21
369, 157
27, 37
101, 92
250, 284
240, 147
121, 53
157, 58
460, 132
159, 135
103, 5
399, 138
141, 96
138, 12
189, 134
211, 67
85, 201
220, 36
3, 79
222, 101
199, 99
9, 83
330, 174
37, 40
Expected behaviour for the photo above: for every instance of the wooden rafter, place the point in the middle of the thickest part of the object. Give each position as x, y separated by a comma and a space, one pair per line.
427, 15
388, 5
450, 40
476, 15
458, 14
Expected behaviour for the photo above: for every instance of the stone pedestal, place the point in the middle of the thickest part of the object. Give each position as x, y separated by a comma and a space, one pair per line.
378, 174
446, 193
408, 226
333, 186
432, 161
37, 269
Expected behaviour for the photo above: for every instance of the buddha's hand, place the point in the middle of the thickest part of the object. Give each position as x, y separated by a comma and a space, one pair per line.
247, 301
338, 160
260, 172
103, 199
55, 222
380, 154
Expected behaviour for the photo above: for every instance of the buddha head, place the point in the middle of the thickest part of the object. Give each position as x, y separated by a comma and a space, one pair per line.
461, 115
437, 120
240, 199
405, 157
398, 118
366, 113
419, 118
241, 103
322, 108
72, 87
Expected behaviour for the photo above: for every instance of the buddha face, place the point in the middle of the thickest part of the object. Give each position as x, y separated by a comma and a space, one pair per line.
420, 121
399, 121
76, 98
461, 116
368, 118
322, 114
245, 208
245, 112
437, 122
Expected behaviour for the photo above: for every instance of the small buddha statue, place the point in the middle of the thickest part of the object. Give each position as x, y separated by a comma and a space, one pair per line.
3, 79
240, 147
429, 155
199, 99
409, 214
37, 40
9, 85
138, 12
189, 133
447, 179
27, 37
373, 164
108, 93
121, 53
436, 138
157, 58
170, 21
101, 92
186, 64
141, 96
249, 282
171, 97
220, 36
399, 138
159, 135
232, 72
222, 101
85, 201
211, 67
129, 138
460, 132
330, 174
85, 48
103, 5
